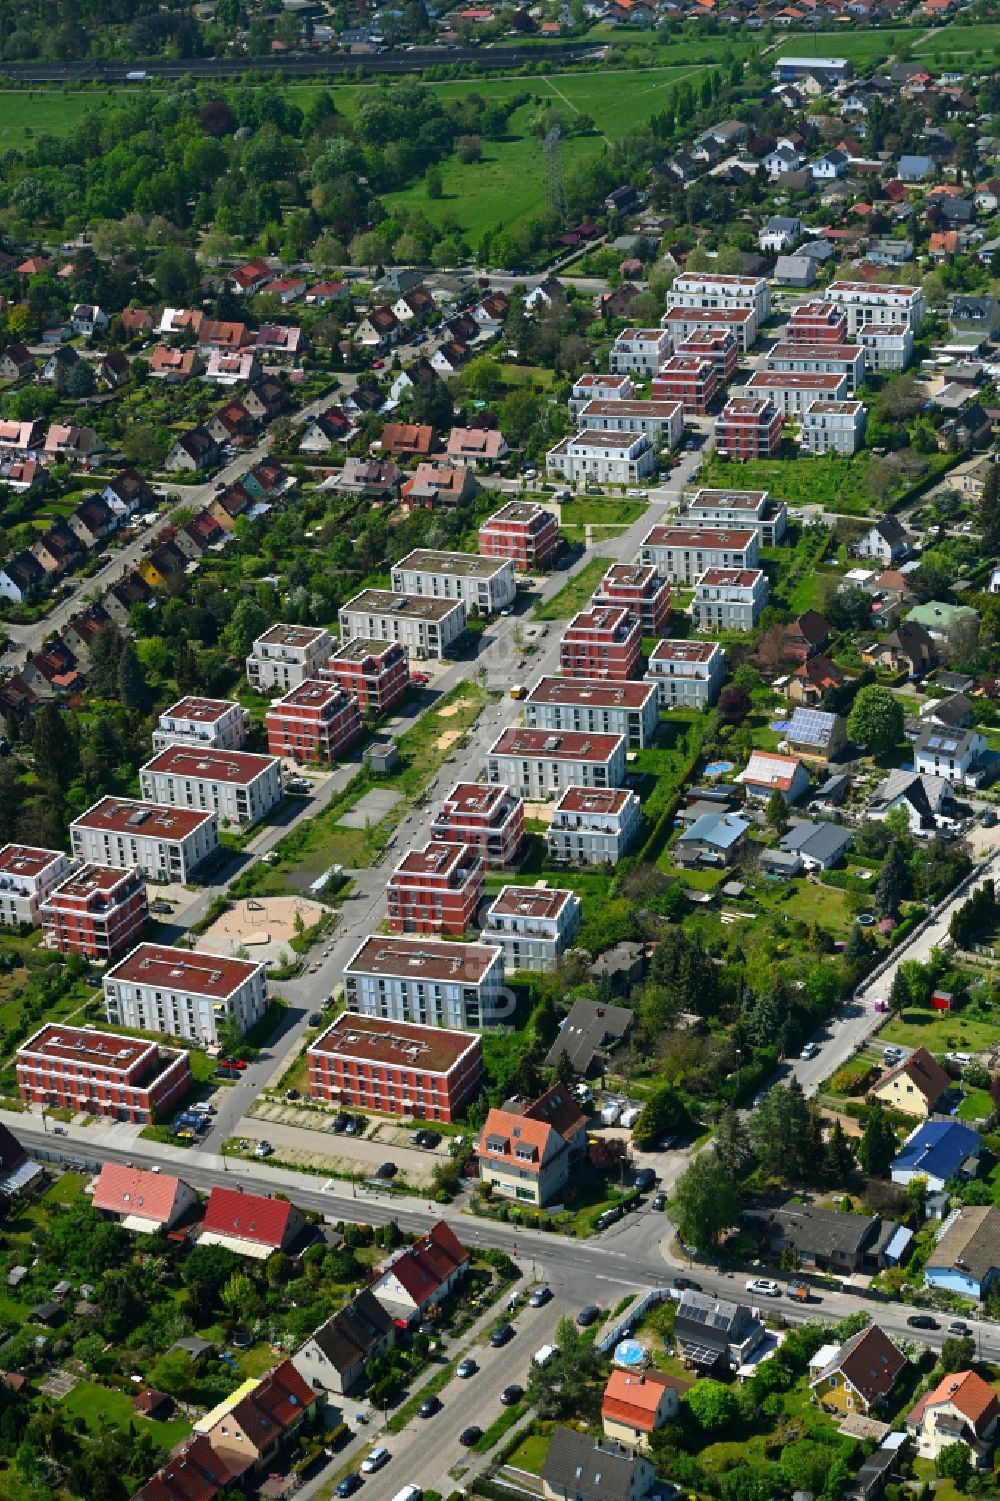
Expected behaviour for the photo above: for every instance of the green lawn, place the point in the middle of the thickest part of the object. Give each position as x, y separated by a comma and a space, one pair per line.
835, 483
607, 518
530, 1453
97, 1406
574, 595
940, 1031
953, 39
976, 1106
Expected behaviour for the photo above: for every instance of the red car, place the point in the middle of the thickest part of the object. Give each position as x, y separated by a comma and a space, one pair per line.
419, 677
239, 1063
377, 364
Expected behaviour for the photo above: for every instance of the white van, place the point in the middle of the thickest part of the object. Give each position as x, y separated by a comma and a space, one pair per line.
543, 1355
201, 1109
409, 1493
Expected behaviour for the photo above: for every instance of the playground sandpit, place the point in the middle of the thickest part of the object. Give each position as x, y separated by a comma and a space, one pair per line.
263, 927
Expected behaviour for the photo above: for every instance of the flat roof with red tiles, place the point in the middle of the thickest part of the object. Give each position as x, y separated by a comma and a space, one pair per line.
203, 710
423, 958
26, 860
601, 618
607, 800
599, 382
437, 858
731, 500
744, 407
146, 820
521, 511
130, 1190
686, 364
716, 279
297, 636
165, 968
459, 564
642, 334
309, 694
684, 651
544, 904
214, 765
557, 745
875, 330
708, 315
599, 694
247, 1216
707, 338
700, 538
794, 380
847, 352
600, 437
734, 578
84, 1045
432, 1050
358, 649
633, 576
476, 797
882, 288
90, 878
627, 408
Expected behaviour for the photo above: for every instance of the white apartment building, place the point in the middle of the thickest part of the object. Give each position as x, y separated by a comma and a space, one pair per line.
887, 346
533, 925
866, 304
820, 359
184, 993
689, 673
163, 844
702, 289
215, 722
599, 387
682, 553
591, 827
639, 351
285, 655
729, 599
240, 788
27, 875
427, 981
540, 764
834, 427
425, 626
792, 392
487, 583
739, 508
607, 458
663, 421
628, 709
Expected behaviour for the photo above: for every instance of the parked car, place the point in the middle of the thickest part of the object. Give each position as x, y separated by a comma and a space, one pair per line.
589, 1314
540, 1296
502, 1335
511, 1394
470, 1436
340, 1122
375, 1460
350, 1483
292, 1094
810, 1050
763, 1287
263, 1149
922, 1321
428, 1407
686, 1285
660, 1202
644, 1180
466, 1368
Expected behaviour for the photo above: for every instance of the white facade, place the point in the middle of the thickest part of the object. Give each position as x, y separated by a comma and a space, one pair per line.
793, 392
184, 993
887, 346
681, 554
663, 421
163, 844
834, 427
639, 351
820, 359
608, 458
427, 981
689, 673
488, 583
867, 304
729, 599
532, 924
593, 828
540, 765
216, 723
27, 875
425, 626
628, 709
286, 655
240, 788
696, 289
739, 508
598, 387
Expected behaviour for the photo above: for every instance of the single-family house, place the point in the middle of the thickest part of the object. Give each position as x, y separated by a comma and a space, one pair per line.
767, 772
812, 680
780, 233
937, 1151
961, 1409
715, 1333
146, 1202
957, 755
713, 839
252, 1425
909, 648
830, 1240
966, 1257
815, 735
914, 1086
579, 1467
636, 1403
250, 1224
527, 1152
861, 1375
886, 540
928, 800
334, 1359
589, 1034
415, 1277
819, 846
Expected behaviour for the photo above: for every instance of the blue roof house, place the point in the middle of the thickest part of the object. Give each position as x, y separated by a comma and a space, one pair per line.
938, 1151
966, 1258
714, 839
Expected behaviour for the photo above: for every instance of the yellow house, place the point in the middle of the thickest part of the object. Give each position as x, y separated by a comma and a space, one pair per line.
913, 1086
861, 1374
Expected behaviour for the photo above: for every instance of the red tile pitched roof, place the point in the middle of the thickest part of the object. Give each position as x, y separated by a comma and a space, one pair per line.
277, 1402
129, 1190
251, 1217
197, 1473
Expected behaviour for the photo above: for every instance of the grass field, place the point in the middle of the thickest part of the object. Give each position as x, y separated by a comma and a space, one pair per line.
575, 594
835, 483
940, 1031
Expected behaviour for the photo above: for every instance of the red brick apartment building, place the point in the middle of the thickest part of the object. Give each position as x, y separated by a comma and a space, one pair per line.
395, 1067
748, 429
690, 379
98, 912
436, 890
377, 673
817, 323
716, 344
641, 591
76, 1068
313, 722
489, 820
521, 530
602, 642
